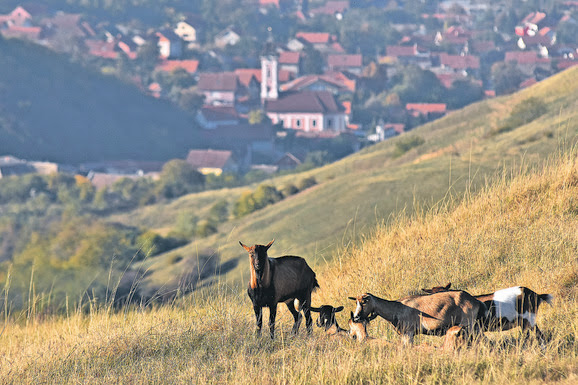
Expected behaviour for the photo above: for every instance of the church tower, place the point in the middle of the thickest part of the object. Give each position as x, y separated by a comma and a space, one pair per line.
269, 76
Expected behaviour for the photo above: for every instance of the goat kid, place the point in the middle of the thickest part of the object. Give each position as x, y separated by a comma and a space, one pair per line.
433, 314
327, 319
509, 308
284, 279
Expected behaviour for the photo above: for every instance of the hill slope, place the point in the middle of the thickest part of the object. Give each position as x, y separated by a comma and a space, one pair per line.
458, 154
52, 109
522, 231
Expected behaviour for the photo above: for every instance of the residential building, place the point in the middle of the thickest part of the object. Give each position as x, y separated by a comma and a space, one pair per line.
189, 30
309, 111
228, 36
170, 45
212, 161
349, 63
219, 88
210, 117
429, 110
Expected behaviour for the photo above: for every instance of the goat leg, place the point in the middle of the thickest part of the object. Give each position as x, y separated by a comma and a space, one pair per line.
259, 318
272, 316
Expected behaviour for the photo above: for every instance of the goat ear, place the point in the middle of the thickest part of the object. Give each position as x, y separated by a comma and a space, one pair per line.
244, 247
269, 244
338, 309
448, 286
315, 309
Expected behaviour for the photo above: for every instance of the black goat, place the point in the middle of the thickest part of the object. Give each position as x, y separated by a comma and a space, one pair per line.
327, 319
284, 279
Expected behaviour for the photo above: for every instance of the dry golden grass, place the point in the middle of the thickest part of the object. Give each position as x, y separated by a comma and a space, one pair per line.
522, 230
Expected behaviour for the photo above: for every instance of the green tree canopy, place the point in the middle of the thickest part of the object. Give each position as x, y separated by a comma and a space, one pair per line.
179, 178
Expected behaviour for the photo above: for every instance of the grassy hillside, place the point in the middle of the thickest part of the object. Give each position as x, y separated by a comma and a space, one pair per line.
52, 109
521, 230
459, 154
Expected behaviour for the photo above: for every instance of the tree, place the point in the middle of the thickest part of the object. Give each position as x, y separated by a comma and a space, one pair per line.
147, 59
312, 61
419, 85
464, 92
257, 116
568, 32
190, 100
179, 178
506, 77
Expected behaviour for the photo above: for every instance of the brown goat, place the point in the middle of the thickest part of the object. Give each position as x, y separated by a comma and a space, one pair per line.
455, 339
327, 319
438, 289
284, 279
358, 328
433, 314
509, 308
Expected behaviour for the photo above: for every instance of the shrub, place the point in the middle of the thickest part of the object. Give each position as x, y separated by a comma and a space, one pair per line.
289, 190
523, 113
206, 228
305, 183
406, 143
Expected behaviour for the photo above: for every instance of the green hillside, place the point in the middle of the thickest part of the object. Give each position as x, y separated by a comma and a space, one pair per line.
415, 171
521, 231
52, 109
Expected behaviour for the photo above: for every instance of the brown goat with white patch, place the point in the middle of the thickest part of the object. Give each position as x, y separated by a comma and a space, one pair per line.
433, 314
508, 308
284, 279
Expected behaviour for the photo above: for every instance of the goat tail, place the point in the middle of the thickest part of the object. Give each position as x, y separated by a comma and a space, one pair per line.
545, 298
314, 284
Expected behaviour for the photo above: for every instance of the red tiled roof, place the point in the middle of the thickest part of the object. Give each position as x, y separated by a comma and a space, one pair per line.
246, 74
426, 108
315, 37
490, 93
32, 33
101, 180
528, 82
536, 40
400, 50
448, 79
218, 81
269, 2
305, 102
331, 78
331, 7
344, 60
534, 17
191, 66
524, 57
458, 62
285, 76
208, 158
336, 47
101, 48
563, 64
289, 57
